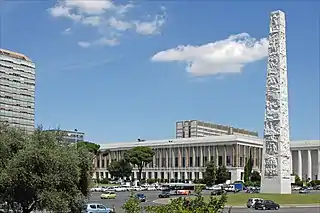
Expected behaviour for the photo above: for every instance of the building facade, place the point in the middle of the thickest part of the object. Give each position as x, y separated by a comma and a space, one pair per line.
186, 158
306, 159
195, 128
71, 136
17, 90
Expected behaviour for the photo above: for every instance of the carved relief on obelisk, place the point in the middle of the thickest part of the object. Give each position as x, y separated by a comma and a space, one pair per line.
277, 156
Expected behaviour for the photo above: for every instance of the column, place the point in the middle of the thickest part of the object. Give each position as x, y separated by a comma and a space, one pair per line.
300, 165
179, 157
237, 156
193, 157
318, 164
291, 168
154, 158
167, 158
309, 165
201, 156
209, 153
217, 155
225, 155
186, 149
173, 158
160, 158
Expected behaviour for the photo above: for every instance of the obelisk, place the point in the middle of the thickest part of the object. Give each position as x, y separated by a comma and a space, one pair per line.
276, 162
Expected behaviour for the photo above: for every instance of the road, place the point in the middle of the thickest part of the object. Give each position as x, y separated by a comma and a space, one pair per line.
153, 195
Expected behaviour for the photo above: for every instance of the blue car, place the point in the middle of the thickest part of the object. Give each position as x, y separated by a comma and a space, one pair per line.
96, 207
141, 197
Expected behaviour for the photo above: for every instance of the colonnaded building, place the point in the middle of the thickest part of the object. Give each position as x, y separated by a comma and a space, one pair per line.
185, 158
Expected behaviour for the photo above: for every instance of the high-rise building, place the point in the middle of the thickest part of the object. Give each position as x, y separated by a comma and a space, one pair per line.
71, 136
17, 90
195, 128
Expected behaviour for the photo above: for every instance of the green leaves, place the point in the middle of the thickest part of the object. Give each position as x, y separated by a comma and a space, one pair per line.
210, 174
40, 171
120, 169
139, 156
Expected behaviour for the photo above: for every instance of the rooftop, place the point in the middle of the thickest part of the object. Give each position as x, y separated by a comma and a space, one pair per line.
14, 55
181, 141
209, 139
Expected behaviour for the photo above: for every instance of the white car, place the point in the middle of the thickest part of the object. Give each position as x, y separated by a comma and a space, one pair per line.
137, 188
120, 189
151, 188
296, 188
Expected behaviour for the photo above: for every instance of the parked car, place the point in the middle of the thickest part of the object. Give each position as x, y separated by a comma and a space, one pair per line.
217, 192
304, 191
251, 202
164, 195
183, 192
141, 197
108, 195
266, 205
96, 207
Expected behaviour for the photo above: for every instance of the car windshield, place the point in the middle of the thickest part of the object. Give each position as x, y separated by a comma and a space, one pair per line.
140, 195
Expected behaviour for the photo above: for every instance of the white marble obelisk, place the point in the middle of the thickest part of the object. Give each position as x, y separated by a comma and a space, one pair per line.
276, 166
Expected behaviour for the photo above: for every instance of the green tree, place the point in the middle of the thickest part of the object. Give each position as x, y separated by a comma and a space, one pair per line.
132, 205
41, 171
248, 168
255, 176
139, 156
222, 175
120, 169
210, 174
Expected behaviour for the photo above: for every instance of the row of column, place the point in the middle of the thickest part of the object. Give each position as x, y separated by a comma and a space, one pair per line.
309, 164
166, 157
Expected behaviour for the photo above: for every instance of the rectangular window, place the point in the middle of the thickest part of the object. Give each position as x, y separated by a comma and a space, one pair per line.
183, 162
220, 160
190, 162
176, 162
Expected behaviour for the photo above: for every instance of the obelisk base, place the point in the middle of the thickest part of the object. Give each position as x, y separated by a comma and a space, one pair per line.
275, 185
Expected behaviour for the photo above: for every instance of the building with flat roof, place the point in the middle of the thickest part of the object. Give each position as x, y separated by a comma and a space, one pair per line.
17, 90
186, 158
196, 128
71, 136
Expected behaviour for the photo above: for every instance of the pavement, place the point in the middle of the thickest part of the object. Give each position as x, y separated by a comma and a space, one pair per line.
152, 200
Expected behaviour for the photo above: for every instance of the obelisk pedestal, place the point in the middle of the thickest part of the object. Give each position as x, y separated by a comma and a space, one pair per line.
276, 162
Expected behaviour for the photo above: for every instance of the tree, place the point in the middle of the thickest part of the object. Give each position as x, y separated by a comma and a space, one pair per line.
255, 176
197, 205
139, 156
120, 169
248, 169
210, 174
222, 175
132, 205
40, 172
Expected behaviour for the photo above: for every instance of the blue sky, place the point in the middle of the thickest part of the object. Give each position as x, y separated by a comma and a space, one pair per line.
95, 73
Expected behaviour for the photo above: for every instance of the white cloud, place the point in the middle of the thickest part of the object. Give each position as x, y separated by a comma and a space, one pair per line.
151, 27
67, 31
224, 56
108, 18
99, 42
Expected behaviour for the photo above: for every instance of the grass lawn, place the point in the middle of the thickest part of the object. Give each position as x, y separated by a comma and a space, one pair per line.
240, 199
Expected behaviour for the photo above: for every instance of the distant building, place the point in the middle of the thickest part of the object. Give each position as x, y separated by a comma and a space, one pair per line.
195, 128
17, 90
71, 136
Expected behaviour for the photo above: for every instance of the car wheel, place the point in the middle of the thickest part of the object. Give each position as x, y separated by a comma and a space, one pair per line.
277, 207
264, 208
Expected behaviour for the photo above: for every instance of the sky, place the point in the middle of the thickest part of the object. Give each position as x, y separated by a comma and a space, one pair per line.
124, 70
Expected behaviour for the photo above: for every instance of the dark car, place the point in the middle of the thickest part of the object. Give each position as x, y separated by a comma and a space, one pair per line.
217, 192
266, 204
141, 197
164, 195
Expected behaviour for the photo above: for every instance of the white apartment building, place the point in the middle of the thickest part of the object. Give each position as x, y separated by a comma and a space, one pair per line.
196, 128
186, 158
17, 90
